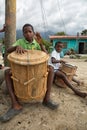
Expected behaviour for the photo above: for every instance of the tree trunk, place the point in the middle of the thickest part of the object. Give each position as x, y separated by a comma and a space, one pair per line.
10, 21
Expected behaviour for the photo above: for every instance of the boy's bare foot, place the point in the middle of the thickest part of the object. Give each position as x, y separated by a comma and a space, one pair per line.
81, 94
80, 83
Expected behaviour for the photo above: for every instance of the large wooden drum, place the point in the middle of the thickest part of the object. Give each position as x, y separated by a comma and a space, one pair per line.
29, 74
69, 70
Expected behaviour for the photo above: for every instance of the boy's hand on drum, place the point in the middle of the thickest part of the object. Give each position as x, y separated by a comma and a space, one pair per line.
62, 61
20, 50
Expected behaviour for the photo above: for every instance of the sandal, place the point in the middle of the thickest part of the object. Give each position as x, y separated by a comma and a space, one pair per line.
50, 104
9, 114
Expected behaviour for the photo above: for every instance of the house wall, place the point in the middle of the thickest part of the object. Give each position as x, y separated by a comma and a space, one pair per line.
84, 41
72, 43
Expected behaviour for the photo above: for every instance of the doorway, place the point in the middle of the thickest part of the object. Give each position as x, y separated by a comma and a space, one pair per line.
81, 47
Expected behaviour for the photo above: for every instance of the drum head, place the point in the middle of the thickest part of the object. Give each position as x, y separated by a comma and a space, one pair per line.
28, 58
69, 65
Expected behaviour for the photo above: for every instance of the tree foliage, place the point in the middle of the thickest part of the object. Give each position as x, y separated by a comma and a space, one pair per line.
84, 32
60, 33
47, 44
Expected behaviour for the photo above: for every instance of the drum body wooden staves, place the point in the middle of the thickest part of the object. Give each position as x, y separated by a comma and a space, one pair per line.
69, 70
29, 74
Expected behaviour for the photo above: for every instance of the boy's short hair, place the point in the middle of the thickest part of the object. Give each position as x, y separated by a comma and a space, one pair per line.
26, 25
58, 42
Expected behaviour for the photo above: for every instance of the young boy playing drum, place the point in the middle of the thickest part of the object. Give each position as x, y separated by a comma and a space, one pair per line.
21, 46
55, 63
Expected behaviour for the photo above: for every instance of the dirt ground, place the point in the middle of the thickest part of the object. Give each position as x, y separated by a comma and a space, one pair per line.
71, 114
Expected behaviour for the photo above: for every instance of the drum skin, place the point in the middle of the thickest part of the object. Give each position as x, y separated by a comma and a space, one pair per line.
29, 74
69, 70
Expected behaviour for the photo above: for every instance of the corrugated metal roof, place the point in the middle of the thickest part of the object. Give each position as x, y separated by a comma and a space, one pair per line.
67, 37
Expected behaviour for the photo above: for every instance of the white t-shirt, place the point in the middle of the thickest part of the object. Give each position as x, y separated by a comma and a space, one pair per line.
55, 55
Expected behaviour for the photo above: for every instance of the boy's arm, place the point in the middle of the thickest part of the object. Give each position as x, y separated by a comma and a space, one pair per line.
39, 39
11, 49
43, 48
3, 29
54, 60
18, 49
57, 61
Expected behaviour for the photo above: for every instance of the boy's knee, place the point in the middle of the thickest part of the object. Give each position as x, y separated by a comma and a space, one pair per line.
63, 76
51, 69
8, 72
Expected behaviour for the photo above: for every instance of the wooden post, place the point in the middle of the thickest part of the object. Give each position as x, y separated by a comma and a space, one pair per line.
10, 21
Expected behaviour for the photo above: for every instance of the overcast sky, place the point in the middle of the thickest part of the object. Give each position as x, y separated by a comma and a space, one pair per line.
69, 16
